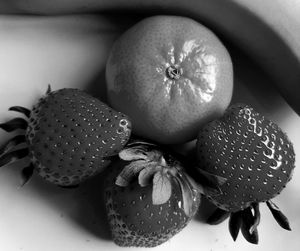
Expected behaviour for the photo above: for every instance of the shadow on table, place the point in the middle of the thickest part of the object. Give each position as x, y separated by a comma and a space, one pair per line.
83, 205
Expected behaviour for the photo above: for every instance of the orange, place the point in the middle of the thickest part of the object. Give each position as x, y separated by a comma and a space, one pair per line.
170, 75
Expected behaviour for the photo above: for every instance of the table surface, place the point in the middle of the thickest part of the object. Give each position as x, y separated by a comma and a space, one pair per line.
71, 52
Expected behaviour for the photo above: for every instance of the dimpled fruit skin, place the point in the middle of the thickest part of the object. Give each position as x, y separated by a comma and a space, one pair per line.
133, 218
250, 151
163, 109
70, 133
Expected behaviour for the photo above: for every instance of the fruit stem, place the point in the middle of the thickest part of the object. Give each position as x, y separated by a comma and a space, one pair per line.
174, 72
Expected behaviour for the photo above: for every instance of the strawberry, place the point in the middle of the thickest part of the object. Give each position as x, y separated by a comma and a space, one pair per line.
251, 160
69, 136
149, 197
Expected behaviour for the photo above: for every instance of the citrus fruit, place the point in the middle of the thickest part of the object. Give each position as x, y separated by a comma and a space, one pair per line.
170, 75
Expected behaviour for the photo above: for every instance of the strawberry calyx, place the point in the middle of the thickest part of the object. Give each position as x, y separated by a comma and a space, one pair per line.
247, 220
280, 218
151, 164
7, 152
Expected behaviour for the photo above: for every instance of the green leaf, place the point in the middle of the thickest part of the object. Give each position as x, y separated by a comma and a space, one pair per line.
162, 188
256, 218
142, 151
16, 140
129, 172
14, 124
235, 222
146, 174
130, 154
281, 219
218, 216
21, 109
12, 156
247, 223
187, 192
27, 173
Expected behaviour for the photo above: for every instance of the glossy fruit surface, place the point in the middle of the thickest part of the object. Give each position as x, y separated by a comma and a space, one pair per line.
249, 159
170, 75
69, 136
252, 154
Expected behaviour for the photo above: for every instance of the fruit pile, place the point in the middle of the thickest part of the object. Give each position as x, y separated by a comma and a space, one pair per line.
169, 81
